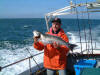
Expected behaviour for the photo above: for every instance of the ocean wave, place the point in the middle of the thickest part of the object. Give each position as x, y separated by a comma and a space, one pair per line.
9, 56
27, 26
13, 44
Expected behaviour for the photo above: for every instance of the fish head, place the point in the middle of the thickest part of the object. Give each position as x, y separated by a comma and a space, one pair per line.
36, 33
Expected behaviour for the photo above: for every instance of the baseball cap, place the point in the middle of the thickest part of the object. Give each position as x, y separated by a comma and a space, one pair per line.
56, 20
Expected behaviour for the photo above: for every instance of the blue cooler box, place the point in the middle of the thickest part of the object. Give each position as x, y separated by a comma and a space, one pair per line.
81, 64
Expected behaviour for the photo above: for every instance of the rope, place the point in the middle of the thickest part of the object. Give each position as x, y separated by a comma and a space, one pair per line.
84, 26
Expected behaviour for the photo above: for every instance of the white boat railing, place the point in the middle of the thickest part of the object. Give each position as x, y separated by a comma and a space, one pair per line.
87, 5
95, 6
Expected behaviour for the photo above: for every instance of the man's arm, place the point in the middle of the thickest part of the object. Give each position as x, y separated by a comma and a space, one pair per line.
65, 37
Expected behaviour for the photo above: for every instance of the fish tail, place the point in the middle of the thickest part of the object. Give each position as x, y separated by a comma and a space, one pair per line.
72, 46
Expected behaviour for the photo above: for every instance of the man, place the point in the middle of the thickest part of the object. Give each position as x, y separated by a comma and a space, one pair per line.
54, 54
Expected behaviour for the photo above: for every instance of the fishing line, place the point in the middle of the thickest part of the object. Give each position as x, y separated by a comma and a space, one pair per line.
84, 29
90, 33
78, 26
87, 43
90, 29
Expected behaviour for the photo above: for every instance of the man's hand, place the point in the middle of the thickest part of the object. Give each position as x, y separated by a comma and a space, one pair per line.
35, 39
56, 45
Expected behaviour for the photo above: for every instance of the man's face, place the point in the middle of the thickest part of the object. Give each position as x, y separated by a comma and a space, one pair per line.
56, 26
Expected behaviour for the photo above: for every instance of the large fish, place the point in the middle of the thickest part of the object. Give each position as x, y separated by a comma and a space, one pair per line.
46, 38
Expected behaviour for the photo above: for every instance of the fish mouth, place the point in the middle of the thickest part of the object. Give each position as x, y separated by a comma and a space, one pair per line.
37, 36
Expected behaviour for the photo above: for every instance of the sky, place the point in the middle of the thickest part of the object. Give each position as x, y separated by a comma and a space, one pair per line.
32, 8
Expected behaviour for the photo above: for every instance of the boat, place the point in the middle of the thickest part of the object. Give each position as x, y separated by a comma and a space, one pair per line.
75, 56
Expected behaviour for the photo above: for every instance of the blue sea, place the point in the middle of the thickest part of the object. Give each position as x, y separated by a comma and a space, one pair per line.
16, 37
